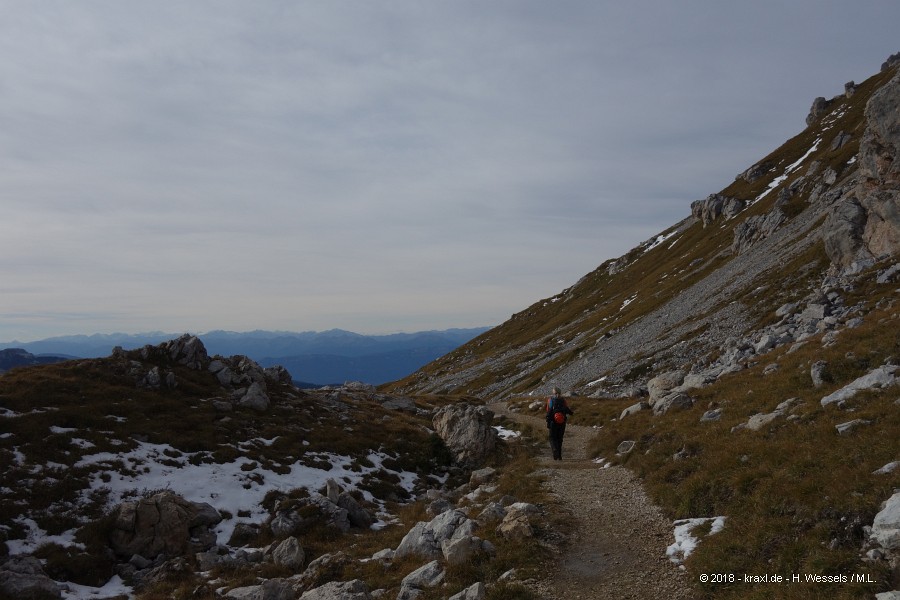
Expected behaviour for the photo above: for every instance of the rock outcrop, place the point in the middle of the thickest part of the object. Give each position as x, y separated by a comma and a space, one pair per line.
865, 225
164, 523
467, 431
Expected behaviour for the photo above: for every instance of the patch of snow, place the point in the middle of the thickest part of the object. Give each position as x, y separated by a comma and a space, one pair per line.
787, 171
659, 240
628, 301
505, 433
597, 381
114, 587
224, 486
37, 537
685, 542
55, 429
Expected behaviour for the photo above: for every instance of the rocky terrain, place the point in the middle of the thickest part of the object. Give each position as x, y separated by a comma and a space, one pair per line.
737, 414
784, 285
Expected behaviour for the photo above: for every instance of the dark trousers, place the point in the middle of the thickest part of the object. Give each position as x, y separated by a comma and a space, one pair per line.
557, 431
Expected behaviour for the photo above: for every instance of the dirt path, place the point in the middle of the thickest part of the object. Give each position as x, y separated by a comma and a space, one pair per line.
618, 548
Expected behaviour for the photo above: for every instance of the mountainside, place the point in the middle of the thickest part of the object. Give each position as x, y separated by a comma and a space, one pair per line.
17, 357
744, 362
806, 226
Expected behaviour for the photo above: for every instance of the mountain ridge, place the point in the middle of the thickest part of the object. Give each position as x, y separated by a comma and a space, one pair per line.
355, 356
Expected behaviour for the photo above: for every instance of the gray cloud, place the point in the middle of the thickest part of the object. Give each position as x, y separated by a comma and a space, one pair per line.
377, 166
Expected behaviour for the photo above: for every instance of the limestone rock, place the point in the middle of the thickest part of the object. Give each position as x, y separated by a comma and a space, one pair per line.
634, 409
339, 590
819, 373
271, 589
289, 553
662, 384
162, 524
461, 550
424, 539
476, 591
24, 577
674, 401
187, 350
468, 432
886, 526
881, 377
756, 228
255, 398
714, 206
819, 107
356, 514
427, 576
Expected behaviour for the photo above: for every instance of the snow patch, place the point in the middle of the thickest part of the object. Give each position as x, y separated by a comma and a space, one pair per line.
685, 542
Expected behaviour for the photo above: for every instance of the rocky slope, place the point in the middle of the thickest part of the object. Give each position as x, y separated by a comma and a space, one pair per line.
166, 472
791, 235
743, 362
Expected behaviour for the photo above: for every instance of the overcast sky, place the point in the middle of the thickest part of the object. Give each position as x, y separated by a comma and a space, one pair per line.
377, 166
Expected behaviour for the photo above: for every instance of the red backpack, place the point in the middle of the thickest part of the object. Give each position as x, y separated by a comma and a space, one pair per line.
556, 410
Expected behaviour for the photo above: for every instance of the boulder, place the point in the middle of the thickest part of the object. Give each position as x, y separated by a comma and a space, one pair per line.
878, 378
675, 401
255, 398
634, 409
819, 373
427, 576
662, 384
467, 431
460, 551
24, 577
320, 569
516, 524
482, 476
476, 591
339, 590
886, 526
187, 350
842, 232
164, 523
271, 589
356, 514
289, 553
819, 107
424, 539
286, 523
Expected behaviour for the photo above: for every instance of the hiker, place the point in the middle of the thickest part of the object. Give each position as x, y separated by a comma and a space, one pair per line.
557, 414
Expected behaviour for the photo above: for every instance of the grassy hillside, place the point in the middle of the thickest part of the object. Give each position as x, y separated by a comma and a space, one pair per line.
798, 494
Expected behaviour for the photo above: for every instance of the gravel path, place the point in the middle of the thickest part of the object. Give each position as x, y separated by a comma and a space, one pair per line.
618, 546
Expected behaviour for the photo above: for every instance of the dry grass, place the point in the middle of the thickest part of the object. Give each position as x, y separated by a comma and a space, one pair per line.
796, 493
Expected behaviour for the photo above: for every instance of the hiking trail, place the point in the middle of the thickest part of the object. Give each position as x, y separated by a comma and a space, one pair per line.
617, 549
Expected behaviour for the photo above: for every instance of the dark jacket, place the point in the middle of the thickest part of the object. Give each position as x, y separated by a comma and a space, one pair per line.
557, 404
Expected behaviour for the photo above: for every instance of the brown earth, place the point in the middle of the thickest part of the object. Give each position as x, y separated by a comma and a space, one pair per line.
617, 549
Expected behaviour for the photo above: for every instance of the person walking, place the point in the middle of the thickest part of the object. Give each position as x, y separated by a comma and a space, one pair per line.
557, 415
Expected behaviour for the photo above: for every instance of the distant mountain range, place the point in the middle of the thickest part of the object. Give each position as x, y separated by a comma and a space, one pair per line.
313, 358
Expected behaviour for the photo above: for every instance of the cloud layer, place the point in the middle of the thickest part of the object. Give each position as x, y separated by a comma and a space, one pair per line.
388, 166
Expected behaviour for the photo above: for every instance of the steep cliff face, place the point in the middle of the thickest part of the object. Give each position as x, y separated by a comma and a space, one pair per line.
801, 225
